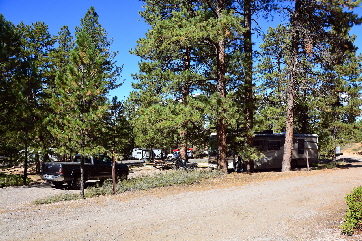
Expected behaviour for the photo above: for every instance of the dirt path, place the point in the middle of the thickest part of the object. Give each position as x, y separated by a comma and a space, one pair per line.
273, 206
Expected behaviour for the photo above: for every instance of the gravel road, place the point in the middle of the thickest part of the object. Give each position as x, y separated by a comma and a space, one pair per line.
301, 206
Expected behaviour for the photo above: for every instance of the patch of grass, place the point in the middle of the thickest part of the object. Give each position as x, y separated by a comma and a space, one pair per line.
145, 182
358, 149
58, 198
7, 180
353, 217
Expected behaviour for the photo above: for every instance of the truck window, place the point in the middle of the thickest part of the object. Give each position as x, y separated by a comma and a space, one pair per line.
79, 158
102, 160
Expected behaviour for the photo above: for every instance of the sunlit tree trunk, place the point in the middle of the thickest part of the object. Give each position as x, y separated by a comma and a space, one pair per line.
248, 81
293, 68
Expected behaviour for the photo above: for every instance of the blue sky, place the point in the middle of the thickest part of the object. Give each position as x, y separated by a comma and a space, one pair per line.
120, 18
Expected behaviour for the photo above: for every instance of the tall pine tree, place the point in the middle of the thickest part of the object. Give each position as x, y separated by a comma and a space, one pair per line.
79, 95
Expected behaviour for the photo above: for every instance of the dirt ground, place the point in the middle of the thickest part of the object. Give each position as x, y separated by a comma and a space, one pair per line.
298, 205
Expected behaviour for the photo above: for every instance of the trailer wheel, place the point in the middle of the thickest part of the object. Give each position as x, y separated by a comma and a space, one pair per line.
100, 183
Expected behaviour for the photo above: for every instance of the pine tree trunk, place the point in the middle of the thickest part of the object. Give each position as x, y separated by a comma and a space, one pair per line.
81, 176
248, 82
25, 176
185, 94
221, 88
114, 176
221, 122
293, 69
288, 145
183, 145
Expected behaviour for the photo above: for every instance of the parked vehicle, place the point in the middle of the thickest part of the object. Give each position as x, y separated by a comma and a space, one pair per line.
271, 146
176, 153
141, 154
179, 163
97, 167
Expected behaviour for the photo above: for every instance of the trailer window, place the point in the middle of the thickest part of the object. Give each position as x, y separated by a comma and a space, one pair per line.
259, 144
300, 146
273, 145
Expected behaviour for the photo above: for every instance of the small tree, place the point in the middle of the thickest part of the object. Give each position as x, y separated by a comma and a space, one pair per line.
79, 95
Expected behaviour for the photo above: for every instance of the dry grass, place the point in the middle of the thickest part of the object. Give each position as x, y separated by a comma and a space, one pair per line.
352, 149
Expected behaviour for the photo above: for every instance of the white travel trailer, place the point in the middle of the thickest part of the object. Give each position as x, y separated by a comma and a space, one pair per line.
141, 153
271, 147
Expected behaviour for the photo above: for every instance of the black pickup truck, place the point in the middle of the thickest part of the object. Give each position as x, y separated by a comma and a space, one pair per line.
97, 167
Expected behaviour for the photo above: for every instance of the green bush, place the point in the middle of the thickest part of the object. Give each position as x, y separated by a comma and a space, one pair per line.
353, 217
12, 180
145, 182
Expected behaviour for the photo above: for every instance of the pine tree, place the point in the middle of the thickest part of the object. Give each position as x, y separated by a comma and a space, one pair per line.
195, 38
79, 95
31, 77
10, 49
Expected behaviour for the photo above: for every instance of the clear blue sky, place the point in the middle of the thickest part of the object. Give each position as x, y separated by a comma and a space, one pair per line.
120, 18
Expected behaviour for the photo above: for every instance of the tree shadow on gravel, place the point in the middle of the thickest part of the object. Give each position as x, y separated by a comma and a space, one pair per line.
344, 162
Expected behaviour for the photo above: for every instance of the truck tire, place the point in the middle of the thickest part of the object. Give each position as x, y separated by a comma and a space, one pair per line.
75, 183
58, 184
122, 175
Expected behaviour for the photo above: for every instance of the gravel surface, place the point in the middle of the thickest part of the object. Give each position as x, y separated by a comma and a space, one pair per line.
275, 206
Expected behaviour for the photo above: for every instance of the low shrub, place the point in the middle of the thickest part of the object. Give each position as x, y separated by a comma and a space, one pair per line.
353, 217
162, 179
144, 182
12, 180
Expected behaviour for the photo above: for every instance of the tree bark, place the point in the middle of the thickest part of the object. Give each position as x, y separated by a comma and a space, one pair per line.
221, 122
185, 94
293, 69
288, 145
81, 176
248, 81
114, 176
221, 88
